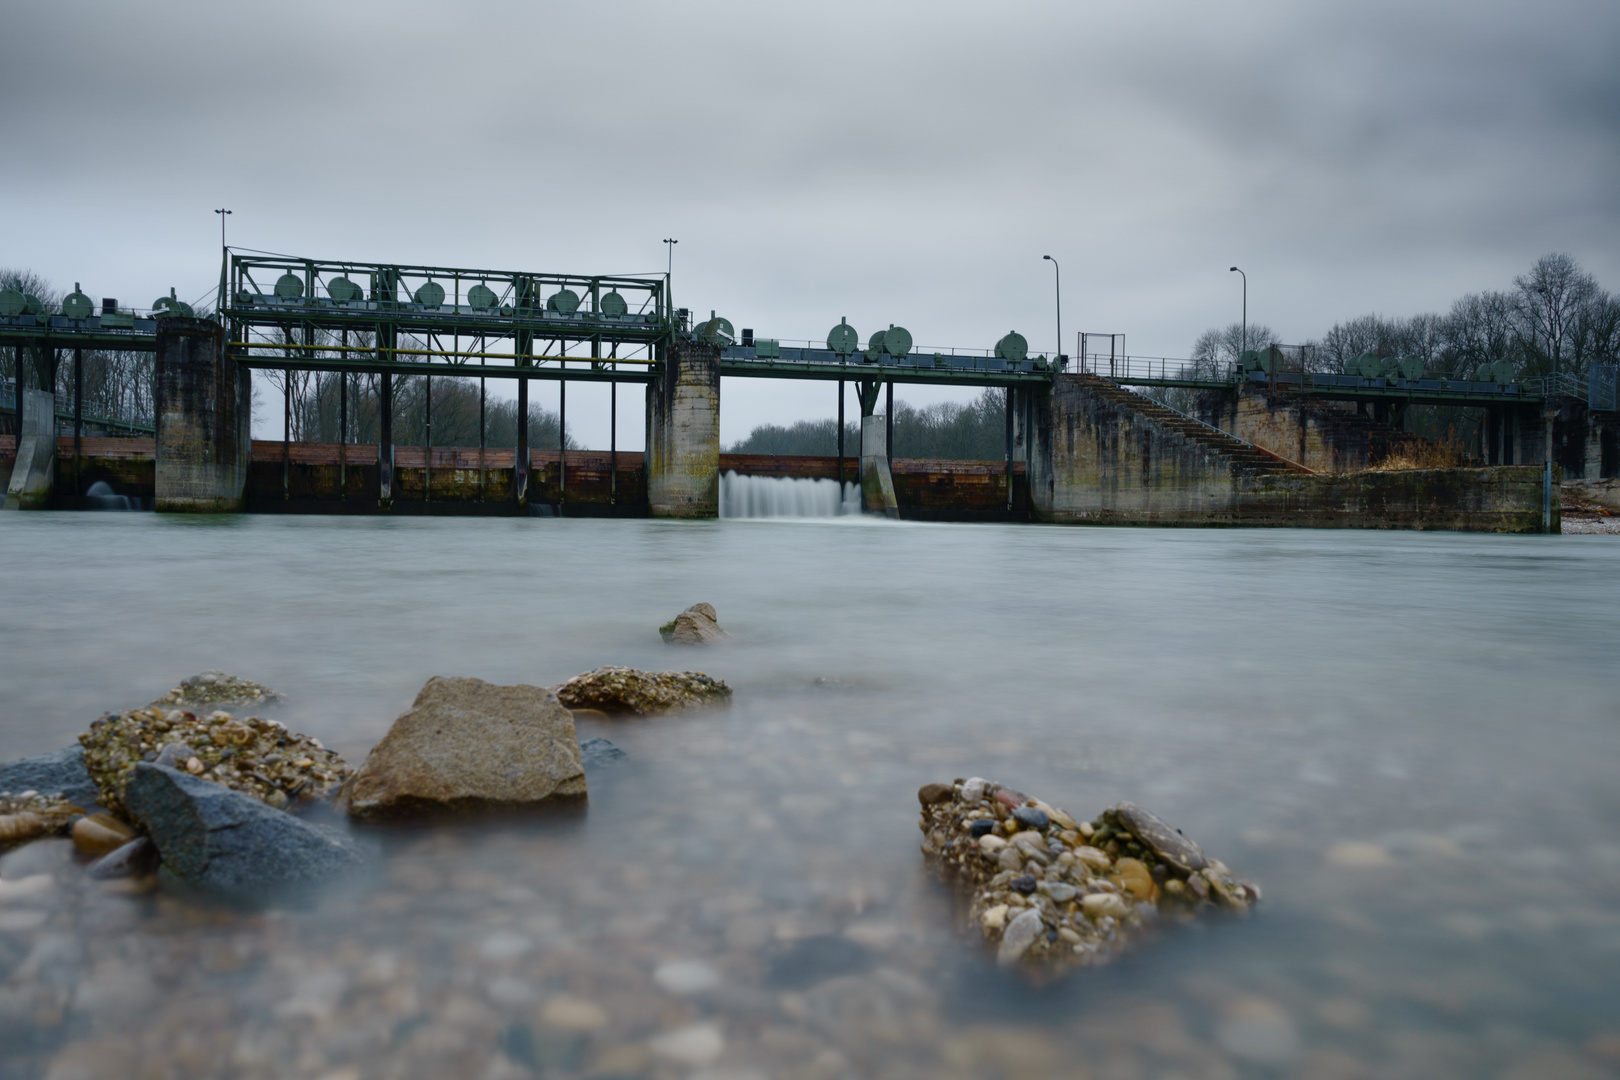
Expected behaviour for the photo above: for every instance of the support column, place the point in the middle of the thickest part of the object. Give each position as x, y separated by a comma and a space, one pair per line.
840, 442
877, 483
385, 441
203, 402
33, 474
78, 419
683, 433
520, 454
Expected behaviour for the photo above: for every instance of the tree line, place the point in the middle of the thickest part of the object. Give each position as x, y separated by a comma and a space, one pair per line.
1554, 320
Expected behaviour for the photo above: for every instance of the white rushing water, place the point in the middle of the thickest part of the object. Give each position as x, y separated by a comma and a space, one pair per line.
785, 497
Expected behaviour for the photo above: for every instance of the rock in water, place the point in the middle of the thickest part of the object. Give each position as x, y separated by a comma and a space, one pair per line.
697, 625
61, 773
470, 745
217, 688
260, 758
626, 690
594, 753
220, 840
1050, 892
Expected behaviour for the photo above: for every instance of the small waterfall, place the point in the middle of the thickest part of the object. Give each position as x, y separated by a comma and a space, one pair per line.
101, 496
785, 497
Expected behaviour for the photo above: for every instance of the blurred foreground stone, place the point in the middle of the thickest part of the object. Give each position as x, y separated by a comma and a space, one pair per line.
469, 745
223, 841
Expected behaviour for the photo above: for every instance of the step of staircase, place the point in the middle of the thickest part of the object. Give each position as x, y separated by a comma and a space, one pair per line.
1247, 455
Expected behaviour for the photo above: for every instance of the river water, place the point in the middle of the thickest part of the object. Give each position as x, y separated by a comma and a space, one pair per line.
1408, 740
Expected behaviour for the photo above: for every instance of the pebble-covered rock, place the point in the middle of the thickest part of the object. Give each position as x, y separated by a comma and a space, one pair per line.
221, 840
619, 690
60, 772
471, 745
217, 688
1051, 892
697, 625
259, 758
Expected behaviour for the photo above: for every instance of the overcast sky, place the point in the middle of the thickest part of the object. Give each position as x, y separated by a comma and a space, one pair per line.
905, 163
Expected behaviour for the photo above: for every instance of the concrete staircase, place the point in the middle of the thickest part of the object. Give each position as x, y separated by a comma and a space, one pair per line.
1246, 456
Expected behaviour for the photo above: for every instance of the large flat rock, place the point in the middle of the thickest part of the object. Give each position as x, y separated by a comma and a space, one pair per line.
469, 745
221, 840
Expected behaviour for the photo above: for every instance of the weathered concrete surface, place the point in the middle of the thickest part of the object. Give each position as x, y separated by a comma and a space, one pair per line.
683, 434
33, 472
1586, 443
1113, 458
1323, 436
877, 483
1605, 493
203, 402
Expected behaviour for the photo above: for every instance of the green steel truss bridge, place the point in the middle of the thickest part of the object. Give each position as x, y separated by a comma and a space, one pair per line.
285, 313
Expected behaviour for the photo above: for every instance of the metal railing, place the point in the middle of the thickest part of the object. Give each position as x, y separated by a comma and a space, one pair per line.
64, 414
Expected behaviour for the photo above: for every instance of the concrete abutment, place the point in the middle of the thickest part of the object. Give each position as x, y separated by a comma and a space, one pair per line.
203, 400
683, 433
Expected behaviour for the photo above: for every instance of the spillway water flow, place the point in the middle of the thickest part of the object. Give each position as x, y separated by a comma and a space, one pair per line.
745, 496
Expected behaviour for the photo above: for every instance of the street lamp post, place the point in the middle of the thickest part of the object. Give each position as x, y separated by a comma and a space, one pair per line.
1058, 287
1244, 342
222, 212
669, 267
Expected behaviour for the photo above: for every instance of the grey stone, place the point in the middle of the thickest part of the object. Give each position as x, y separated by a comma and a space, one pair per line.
135, 858
1168, 844
469, 745
60, 772
594, 753
697, 625
220, 840
1018, 937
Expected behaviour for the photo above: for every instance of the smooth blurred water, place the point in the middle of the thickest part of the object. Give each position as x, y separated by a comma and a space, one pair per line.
1447, 702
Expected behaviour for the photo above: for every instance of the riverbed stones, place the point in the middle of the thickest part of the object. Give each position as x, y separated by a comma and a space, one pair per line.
98, 834
61, 773
625, 691
468, 745
1050, 892
217, 688
221, 840
259, 758
29, 815
697, 625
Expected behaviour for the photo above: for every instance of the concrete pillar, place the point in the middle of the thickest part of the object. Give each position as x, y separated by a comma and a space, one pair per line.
33, 476
683, 433
203, 399
877, 483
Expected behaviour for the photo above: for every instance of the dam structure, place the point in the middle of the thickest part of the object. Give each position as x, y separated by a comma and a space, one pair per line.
1267, 441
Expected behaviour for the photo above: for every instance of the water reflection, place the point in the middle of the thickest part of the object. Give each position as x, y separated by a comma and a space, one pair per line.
1406, 739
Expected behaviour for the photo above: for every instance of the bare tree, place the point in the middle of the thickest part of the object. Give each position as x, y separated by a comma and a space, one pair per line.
1551, 297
